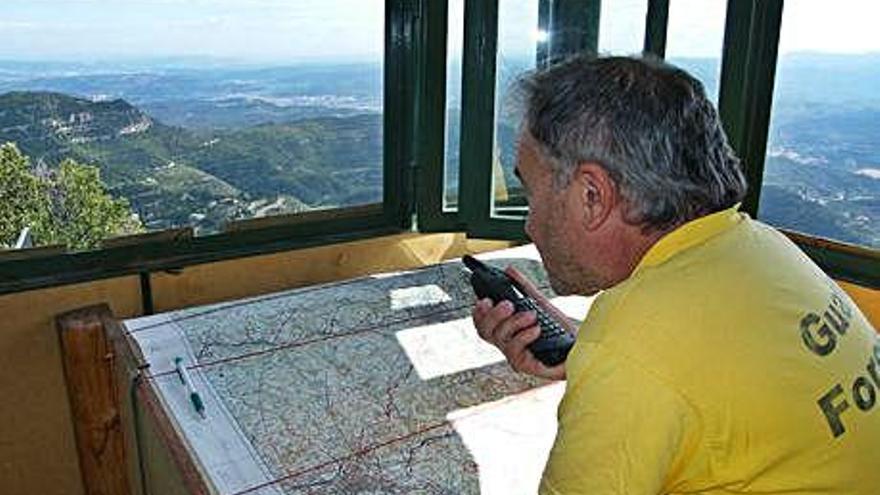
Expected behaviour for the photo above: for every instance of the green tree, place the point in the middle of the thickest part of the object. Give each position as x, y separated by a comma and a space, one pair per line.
69, 205
22, 195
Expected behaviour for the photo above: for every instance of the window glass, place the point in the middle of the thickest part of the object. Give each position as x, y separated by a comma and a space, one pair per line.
197, 113
518, 38
622, 27
454, 51
694, 39
822, 170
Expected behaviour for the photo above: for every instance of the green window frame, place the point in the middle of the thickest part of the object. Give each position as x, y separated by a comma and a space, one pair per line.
430, 148
176, 248
748, 72
413, 147
748, 69
474, 214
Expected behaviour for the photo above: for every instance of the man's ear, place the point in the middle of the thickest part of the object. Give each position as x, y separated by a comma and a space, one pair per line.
597, 194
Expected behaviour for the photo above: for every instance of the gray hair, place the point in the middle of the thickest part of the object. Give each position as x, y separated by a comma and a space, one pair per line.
647, 123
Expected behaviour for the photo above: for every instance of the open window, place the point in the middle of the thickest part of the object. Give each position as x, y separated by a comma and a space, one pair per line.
226, 130
733, 50
503, 39
822, 167
411, 120
748, 79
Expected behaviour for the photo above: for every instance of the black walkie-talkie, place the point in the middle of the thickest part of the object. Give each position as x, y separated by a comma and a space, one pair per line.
552, 346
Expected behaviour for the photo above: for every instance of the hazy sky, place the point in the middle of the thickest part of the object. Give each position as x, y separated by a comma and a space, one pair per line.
286, 30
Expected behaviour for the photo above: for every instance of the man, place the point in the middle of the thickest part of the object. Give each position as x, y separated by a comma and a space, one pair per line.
718, 358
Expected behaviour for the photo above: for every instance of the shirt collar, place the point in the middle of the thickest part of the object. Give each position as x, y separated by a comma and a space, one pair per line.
690, 234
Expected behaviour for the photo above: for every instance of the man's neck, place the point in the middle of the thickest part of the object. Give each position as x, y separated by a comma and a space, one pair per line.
625, 248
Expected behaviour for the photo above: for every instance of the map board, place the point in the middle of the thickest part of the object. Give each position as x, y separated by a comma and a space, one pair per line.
373, 385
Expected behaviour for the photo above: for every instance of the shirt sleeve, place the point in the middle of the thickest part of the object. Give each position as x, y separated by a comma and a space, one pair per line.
622, 430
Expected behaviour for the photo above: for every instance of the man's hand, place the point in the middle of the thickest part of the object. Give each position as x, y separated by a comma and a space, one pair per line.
512, 333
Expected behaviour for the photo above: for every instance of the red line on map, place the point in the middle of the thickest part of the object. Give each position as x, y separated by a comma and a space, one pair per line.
370, 448
301, 343
353, 455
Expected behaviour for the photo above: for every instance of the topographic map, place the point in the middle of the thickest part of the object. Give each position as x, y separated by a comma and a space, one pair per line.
373, 385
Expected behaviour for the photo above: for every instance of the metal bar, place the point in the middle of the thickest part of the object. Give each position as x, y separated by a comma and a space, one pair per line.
748, 71
48, 271
431, 128
166, 235
761, 77
33, 252
656, 26
147, 307
574, 27
734, 58
306, 217
478, 109
841, 262
398, 189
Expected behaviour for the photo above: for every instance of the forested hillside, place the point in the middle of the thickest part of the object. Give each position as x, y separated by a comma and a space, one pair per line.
175, 176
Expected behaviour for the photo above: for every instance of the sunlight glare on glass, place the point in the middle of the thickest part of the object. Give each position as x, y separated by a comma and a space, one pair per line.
540, 35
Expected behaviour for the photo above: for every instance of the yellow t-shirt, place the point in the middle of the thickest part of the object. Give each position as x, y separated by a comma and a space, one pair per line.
727, 363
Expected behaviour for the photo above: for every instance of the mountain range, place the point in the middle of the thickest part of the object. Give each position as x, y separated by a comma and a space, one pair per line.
202, 177
201, 144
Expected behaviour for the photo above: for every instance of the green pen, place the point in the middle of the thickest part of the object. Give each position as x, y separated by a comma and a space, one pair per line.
185, 379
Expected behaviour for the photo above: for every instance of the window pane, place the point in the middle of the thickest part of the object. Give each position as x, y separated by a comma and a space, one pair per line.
200, 112
822, 172
454, 51
622, 27
518, 38
694, 39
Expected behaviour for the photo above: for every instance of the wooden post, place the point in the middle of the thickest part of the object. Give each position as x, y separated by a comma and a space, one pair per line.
94, 399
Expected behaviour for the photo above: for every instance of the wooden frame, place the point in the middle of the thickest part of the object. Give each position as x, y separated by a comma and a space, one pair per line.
95, 399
